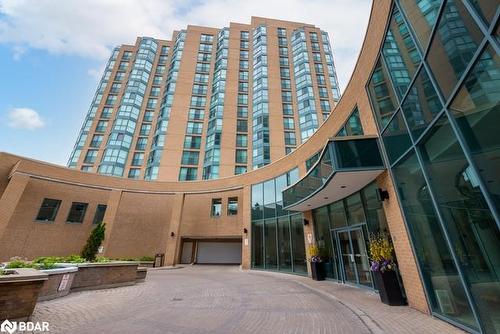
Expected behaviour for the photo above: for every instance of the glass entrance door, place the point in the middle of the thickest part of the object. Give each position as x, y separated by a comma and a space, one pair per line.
353, 255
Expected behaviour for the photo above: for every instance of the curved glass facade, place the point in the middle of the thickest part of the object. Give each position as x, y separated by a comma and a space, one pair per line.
308, 118
435, 92
277, 234
153, 163
120, 138
261, 154
214, 130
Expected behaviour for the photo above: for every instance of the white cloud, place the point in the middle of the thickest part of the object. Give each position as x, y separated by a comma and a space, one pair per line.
91, 28
24, 118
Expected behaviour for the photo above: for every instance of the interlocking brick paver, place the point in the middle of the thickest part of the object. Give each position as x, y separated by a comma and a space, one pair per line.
220, 299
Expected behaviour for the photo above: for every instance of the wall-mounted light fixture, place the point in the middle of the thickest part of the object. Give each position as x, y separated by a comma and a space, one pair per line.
382, 194
245, 230
306, 222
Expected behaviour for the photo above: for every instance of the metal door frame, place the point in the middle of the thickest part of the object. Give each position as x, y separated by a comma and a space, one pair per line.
334, 235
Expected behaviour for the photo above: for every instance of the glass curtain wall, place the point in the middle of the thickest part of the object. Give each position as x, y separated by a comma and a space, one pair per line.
441, 69
362, 212
277, 234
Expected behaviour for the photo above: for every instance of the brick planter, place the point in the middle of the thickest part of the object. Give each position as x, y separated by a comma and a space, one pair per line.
19, 293
141, 274
92, 276
58, 284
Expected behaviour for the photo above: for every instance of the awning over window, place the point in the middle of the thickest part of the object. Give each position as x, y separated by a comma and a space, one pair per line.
346, 165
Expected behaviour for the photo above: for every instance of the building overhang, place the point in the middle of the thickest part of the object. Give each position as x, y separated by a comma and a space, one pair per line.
346, 165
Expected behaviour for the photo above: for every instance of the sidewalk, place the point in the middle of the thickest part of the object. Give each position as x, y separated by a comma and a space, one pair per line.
366, 305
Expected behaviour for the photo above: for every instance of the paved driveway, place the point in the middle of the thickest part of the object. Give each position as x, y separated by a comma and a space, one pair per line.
201, 299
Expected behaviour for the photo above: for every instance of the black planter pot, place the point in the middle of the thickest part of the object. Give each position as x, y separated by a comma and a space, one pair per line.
388, 288
318, 271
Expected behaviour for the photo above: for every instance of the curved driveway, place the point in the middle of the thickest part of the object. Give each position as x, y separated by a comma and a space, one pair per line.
201, 299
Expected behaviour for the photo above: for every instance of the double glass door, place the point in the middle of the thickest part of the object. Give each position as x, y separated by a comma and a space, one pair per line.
354, 264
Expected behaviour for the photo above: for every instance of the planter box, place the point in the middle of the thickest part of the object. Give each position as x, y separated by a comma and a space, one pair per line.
19, 293
58, 284
318, 271
388, 288
92, 276
141, 274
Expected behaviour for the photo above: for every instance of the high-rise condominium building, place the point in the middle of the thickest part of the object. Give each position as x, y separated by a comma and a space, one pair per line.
210, 103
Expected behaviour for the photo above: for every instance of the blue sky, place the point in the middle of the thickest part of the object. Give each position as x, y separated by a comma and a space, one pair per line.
58, 87
52, 53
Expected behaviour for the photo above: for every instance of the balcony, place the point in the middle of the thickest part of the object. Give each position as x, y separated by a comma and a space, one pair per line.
346, 165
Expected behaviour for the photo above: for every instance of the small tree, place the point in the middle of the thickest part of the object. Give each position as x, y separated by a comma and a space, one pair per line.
94, 241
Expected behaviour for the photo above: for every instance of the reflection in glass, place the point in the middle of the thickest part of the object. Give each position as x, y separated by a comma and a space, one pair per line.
298, 246
382, 95
445, 291
323, 239
284, 247
400, 54
476, 108
257, 245
347, 257
374, 211
359, 153
354, 208
270, 240
453, 45
421, 15
486, 9
337, 215
396, 138
269, 199
421, 104
471, 227
361, 260
257, 202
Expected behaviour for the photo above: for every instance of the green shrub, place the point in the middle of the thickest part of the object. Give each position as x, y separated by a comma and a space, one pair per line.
74, 259
102, 259
18, 264
147, 258
94, 241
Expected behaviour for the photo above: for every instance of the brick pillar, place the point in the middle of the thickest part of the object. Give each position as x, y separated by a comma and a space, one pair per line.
246, 211
309, 234
406, 259
8, 204
173, 242
110, 218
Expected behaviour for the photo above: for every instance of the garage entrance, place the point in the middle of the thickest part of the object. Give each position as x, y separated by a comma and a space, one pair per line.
211, 251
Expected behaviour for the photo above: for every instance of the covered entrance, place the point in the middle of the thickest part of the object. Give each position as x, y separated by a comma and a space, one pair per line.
354, 264
211, 251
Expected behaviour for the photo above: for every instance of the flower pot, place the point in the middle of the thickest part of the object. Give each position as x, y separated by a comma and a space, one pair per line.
388, 288
318, 271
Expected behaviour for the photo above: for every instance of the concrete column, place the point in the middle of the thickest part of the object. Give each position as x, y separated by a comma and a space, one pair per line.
246, 212
173, 242
9, 201
110, 217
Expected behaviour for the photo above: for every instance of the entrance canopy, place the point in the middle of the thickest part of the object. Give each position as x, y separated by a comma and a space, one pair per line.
346, 165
